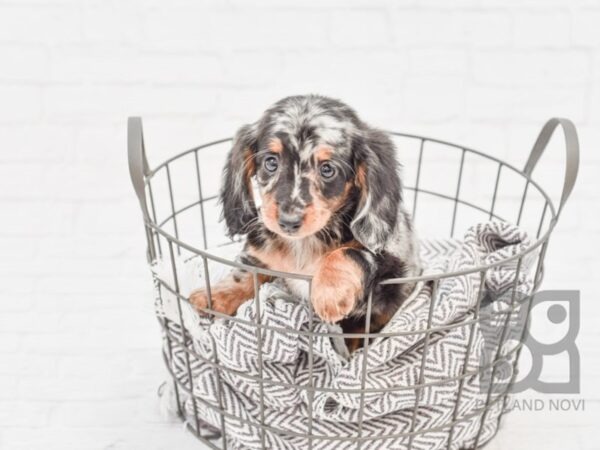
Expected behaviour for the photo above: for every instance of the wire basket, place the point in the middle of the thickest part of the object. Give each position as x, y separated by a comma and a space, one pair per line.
179, 198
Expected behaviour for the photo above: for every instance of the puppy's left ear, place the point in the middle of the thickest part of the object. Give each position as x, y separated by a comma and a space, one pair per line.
378, 180
236, 189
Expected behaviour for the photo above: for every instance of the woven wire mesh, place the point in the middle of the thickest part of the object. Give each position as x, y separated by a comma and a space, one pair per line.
179, 204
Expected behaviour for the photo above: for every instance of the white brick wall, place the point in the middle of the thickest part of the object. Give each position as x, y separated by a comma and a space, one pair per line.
79, 347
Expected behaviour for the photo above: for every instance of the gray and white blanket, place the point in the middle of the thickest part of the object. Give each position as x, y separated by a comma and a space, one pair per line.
393, 364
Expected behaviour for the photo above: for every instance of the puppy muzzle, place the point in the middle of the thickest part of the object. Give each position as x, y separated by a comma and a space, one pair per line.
290, 223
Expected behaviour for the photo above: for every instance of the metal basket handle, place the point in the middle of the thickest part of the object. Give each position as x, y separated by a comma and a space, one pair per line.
572, 161
138, 164
138, 170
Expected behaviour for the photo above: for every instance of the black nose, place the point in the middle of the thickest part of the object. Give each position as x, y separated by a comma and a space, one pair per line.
290, 223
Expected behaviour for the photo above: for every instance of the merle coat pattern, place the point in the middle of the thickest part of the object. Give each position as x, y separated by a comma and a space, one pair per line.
328, 203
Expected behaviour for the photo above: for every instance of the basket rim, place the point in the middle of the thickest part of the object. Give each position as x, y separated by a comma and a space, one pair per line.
539, 241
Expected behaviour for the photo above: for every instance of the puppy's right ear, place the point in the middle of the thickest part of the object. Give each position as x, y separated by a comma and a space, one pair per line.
236, 189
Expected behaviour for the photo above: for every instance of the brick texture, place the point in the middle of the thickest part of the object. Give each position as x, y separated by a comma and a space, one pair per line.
79, 347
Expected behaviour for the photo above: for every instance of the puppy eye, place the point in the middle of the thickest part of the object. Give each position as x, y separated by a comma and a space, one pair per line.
327, 170
271, 164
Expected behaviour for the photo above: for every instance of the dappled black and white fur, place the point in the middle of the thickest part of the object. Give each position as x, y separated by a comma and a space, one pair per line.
327, 203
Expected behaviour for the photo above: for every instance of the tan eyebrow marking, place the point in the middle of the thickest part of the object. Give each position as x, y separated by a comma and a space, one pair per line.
275, 145
323, 153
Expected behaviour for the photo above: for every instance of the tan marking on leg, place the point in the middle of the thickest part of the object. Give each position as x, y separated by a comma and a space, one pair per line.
354, 244
337, 285
228, 294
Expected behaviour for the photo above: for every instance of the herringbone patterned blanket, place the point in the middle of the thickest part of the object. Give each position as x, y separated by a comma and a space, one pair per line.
393, 364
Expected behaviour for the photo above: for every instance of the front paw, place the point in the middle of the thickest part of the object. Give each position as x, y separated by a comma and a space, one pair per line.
199, 299
336, 287
224, 300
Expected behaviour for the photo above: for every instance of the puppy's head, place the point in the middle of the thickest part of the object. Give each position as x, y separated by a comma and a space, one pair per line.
318, 168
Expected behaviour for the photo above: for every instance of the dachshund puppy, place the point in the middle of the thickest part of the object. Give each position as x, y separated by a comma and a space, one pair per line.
329, 205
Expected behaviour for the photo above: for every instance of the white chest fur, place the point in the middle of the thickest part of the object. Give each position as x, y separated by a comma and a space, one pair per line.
305, 258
